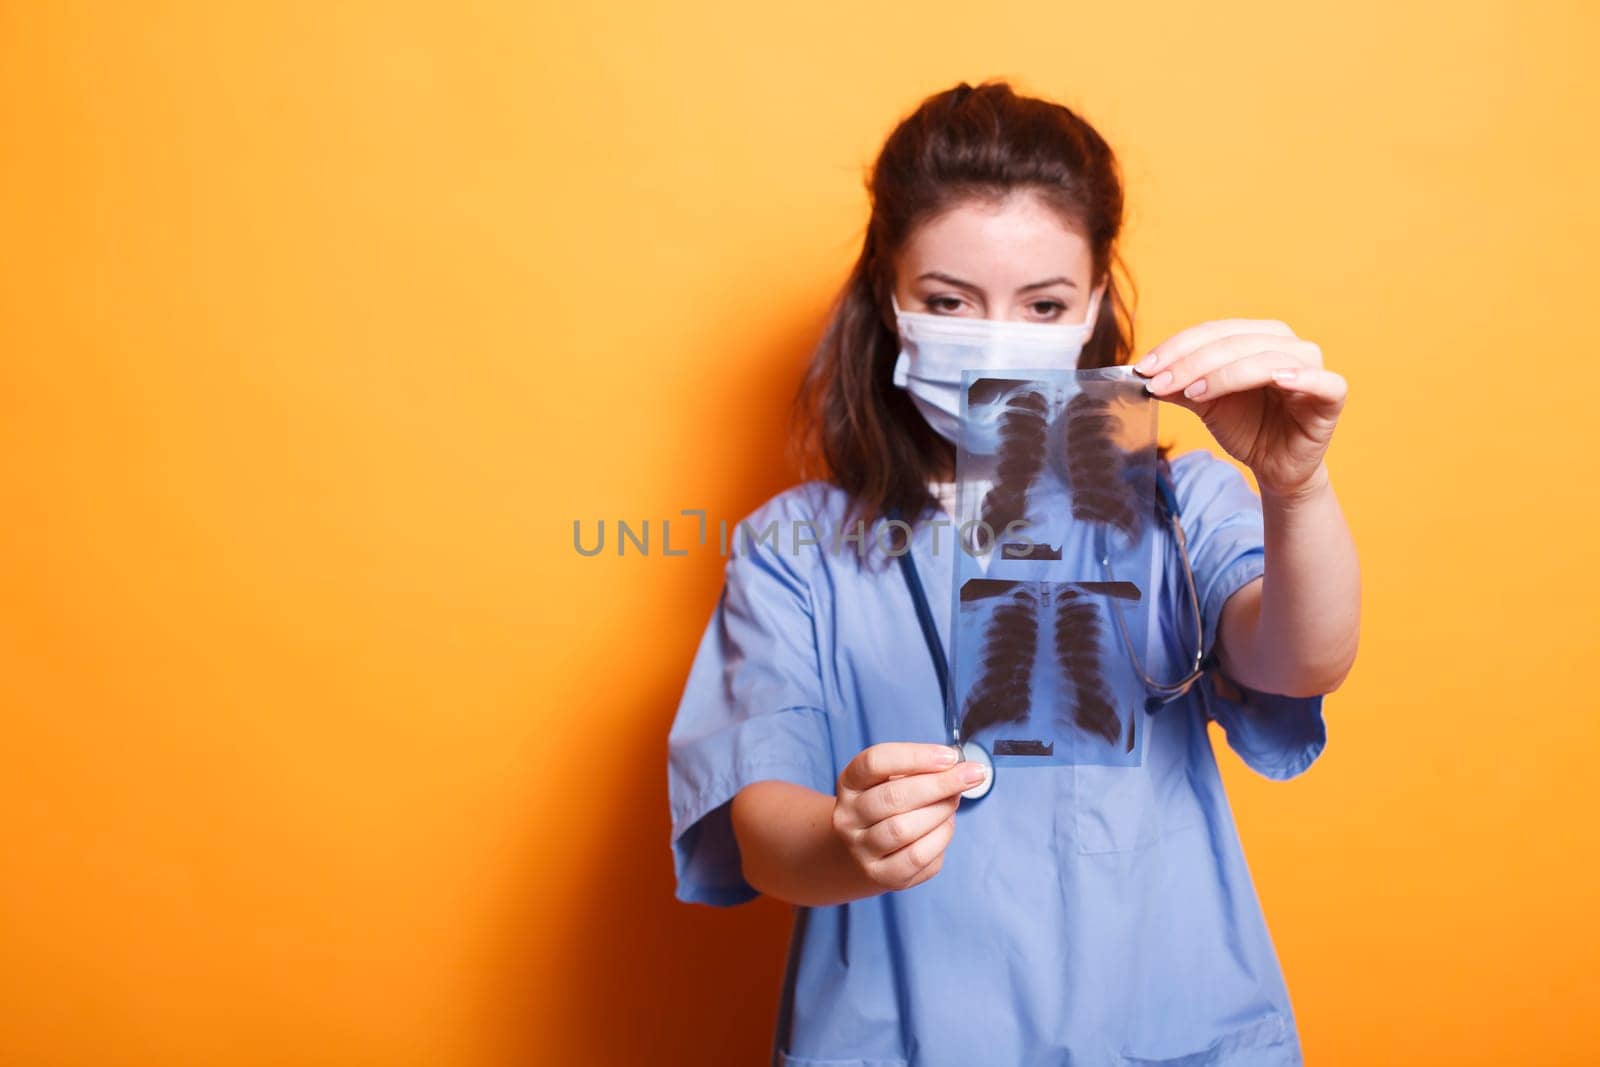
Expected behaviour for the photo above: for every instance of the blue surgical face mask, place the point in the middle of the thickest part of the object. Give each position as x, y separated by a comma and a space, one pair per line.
935, 349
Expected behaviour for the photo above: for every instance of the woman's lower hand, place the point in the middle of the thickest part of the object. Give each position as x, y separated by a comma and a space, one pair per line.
895, 809
1261, 391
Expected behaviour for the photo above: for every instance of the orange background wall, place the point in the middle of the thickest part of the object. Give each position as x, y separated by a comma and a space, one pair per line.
320, 324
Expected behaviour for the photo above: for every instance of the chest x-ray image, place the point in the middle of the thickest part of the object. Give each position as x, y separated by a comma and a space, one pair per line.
1055, 571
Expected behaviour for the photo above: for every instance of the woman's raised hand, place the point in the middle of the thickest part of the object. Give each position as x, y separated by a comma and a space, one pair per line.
895, 809
1261, 391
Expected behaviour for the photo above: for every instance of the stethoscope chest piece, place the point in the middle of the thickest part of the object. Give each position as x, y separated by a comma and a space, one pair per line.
971, 750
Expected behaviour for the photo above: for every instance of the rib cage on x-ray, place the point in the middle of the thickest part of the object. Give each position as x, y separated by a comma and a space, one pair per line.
1011, 644
1036, 647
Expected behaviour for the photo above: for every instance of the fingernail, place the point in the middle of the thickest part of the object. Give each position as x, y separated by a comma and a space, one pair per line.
1161, 381
973, 774
1147, 364
1284, 374
1195, 388
948, 758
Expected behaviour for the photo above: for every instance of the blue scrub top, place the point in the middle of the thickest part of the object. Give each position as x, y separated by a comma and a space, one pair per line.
1083, 915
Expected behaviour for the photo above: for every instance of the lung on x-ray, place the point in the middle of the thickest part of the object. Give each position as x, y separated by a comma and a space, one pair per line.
1055, 564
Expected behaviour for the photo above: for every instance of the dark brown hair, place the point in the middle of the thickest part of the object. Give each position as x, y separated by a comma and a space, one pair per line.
968, 142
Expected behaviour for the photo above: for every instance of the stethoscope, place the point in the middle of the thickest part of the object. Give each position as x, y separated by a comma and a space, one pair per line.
1165, 692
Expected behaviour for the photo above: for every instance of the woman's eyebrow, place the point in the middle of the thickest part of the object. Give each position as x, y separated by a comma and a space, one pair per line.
950, 279
1050, 281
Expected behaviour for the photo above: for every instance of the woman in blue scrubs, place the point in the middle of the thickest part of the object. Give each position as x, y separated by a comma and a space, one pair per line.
1077, 915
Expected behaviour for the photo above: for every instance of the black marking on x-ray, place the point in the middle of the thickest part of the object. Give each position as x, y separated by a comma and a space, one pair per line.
1031, 550
1119, 590
1017, 747
982, 588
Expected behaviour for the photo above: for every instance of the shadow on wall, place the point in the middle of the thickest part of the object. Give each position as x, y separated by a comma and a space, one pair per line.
630, 974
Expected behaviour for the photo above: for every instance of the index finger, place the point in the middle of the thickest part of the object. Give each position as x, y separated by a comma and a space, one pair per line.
1185, 341
876, 763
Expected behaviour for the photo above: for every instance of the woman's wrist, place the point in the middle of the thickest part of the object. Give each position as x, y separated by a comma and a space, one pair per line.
788, 848
1309, 617
1309, 492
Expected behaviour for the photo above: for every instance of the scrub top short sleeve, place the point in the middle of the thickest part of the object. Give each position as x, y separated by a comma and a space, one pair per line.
1277, 736
752, 708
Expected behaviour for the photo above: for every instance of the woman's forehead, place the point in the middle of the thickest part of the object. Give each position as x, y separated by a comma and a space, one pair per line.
1009, 244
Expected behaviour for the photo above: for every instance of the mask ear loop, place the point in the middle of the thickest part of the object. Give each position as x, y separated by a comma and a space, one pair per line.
1092, 318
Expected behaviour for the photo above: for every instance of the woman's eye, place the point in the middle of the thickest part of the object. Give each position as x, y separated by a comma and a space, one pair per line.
942, 303
1049, 308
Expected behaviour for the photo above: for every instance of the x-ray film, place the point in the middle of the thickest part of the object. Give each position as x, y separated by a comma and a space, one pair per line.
1055, 564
